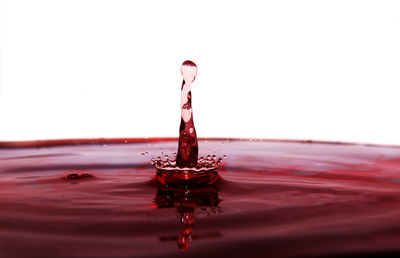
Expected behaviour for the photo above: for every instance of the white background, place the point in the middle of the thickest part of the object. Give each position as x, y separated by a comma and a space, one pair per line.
321, 70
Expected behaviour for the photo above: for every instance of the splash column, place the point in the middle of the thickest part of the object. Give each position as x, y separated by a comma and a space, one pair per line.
188, 148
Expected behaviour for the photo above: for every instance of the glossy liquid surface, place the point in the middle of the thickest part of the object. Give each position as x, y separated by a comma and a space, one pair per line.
275, 199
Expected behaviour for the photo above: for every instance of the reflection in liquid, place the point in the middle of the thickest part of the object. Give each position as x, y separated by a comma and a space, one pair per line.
185, 201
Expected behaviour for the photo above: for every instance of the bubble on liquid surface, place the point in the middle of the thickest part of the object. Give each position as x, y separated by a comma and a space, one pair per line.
75, 176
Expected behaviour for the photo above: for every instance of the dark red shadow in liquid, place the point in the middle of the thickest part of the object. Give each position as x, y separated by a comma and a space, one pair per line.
185, 201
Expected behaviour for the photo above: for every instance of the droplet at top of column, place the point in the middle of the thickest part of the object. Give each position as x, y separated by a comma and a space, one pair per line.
189, 71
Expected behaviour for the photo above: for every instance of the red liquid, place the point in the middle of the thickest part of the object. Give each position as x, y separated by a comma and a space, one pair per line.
186, 170
188, 148
275, 199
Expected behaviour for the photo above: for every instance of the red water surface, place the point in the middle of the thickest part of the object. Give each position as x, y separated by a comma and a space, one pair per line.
95, 198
